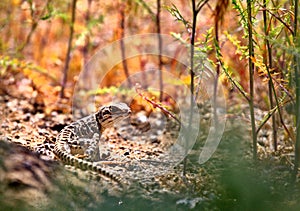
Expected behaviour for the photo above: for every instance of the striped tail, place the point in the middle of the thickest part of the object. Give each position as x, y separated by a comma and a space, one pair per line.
84, 164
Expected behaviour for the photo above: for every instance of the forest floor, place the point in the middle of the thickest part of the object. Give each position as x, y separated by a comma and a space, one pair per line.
229, 180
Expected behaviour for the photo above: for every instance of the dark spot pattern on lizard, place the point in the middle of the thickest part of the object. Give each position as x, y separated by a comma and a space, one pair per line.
82, 137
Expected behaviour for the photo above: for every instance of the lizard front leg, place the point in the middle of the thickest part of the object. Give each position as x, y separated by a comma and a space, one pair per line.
90, 147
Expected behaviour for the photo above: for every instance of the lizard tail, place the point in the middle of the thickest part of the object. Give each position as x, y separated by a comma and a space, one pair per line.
85, 165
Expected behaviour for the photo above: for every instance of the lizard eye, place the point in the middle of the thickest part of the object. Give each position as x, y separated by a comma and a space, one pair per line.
114, 109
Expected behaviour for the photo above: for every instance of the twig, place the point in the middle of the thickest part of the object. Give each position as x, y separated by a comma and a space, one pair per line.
297, 78
251, 77
278, 18
145, 5
35, 21
87, 38
219, 13
160, 63
157, 105
268, 63
268, 115
122, 45
68, 56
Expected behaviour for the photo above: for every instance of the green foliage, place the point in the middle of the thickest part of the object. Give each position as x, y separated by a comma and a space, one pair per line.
7, 63
201, 48
179, 38
113, 90
205, 45
146, 7
91, 24
242, 184
273, 64
237, 5
95, 21
174, 11
50, 12
248, 185
16, 65
240, 49
227, 71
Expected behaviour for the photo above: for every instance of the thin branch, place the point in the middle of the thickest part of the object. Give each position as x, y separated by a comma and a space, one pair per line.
268, 115
278, 18
68, 56
192, 73
219, 14
122, 45
85, 50
268, 63
160, 63
157, 105
200, 5
251, 78
283, 88
297, 78
35, 21
145, 5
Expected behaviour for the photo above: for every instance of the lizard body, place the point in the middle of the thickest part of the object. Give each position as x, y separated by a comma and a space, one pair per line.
82, 137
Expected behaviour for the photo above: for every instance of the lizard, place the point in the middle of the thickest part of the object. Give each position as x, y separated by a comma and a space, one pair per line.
82, 137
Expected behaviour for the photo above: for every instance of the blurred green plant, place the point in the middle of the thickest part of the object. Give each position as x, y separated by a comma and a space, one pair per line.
14, 65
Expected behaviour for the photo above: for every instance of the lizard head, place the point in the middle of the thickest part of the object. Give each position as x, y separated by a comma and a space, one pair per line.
111, 114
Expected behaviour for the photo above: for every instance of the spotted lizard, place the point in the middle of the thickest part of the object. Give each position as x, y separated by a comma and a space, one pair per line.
82, 138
